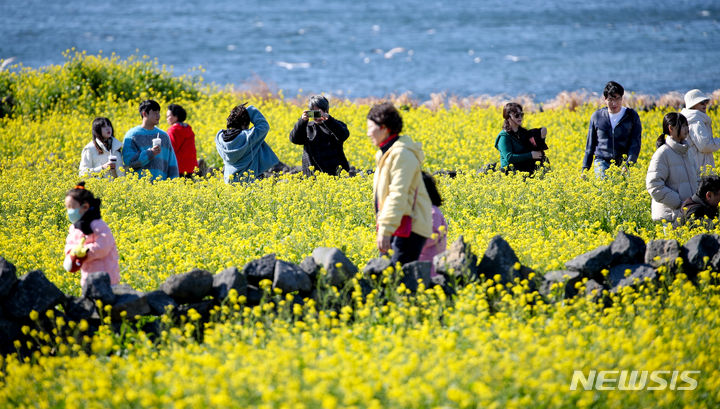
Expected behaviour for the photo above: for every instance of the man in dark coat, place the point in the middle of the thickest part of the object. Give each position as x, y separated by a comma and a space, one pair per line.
703, 205
322, 137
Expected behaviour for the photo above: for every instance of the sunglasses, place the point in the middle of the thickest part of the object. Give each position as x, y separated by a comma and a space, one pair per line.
517, 115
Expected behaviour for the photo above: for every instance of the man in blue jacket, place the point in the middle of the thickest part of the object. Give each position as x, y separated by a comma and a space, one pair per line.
142, 154
614, 135
243, 150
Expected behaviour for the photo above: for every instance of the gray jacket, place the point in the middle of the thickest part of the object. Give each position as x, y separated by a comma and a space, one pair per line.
671, 178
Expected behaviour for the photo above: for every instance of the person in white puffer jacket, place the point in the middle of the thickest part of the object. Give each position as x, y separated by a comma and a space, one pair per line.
673, 174
701, 141
97, 154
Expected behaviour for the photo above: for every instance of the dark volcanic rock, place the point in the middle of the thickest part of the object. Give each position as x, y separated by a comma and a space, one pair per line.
260, 269
33, 291
159, 302
660, 252
567, 277
224, 281
414, 271
290, 277
619, 275
457, 261
590, 264
8, 277
703, 250
499, 259
97, 287
192, 286
337, 266
376, 266
81, 308
627, 249
130, 301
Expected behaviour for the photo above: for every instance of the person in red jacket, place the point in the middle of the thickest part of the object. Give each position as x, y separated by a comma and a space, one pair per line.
182, 138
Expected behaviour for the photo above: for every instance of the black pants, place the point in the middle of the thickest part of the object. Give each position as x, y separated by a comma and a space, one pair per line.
406, 249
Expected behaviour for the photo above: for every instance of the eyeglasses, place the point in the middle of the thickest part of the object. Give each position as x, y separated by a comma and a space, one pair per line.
518, 115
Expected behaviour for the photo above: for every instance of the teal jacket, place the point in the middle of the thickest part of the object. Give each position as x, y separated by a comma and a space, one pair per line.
514, 152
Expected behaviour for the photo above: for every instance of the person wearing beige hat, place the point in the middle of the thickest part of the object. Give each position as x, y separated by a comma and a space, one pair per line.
701, 141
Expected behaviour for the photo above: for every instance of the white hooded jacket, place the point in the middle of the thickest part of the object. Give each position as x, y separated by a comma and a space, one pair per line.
671, 178
701, 141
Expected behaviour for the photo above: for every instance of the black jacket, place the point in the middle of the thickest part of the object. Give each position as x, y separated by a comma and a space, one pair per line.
605, 143
697, 208
323, 145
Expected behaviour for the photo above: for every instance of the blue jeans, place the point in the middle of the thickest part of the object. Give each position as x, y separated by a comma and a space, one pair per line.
601, 165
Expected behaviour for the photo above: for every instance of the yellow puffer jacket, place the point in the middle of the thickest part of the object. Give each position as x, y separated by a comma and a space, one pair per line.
397, 177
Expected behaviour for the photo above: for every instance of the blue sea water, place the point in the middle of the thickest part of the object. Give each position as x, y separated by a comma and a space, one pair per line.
370, 48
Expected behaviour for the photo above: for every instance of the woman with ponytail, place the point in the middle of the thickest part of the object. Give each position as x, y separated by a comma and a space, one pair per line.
673, 175
90, 246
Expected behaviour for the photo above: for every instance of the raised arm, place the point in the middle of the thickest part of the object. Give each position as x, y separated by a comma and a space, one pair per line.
298, 135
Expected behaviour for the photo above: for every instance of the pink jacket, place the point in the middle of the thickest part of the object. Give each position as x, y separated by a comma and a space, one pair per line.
102, 252
438, 242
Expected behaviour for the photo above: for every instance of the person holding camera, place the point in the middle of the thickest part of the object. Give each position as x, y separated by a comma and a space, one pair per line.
520, 149
322, 137
403, 210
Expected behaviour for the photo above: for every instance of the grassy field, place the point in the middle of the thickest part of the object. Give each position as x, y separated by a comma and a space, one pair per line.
416, 352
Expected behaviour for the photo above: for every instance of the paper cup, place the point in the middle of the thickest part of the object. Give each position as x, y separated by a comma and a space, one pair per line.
157, 142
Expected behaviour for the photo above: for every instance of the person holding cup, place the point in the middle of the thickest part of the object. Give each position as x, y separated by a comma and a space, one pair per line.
147, 148
103, 153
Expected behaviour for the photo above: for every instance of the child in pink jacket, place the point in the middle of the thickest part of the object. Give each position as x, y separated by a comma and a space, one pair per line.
90, 246
438, 242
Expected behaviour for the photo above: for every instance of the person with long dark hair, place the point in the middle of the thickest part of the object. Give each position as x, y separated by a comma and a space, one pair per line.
89, 246
521, 149
103, 154
402, 205
437, 242
673, 174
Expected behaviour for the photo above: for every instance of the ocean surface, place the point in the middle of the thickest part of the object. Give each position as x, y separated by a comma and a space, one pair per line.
373, 48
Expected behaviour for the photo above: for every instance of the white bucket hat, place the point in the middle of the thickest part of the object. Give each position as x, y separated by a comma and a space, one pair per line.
694, 97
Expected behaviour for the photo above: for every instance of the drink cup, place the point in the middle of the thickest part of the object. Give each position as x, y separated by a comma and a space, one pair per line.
156, 142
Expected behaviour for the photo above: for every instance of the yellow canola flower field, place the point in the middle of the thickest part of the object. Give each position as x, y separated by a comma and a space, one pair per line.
413, 353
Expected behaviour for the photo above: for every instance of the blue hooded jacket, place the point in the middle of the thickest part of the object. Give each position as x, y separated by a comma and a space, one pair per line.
246, 150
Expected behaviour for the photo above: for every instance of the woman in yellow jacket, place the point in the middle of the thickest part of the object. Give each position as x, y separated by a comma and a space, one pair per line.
402, 205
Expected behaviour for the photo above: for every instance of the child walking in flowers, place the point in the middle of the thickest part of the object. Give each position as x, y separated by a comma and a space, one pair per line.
90, 246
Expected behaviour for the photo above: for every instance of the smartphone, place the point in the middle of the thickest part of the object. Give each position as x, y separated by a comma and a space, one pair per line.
314, 114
